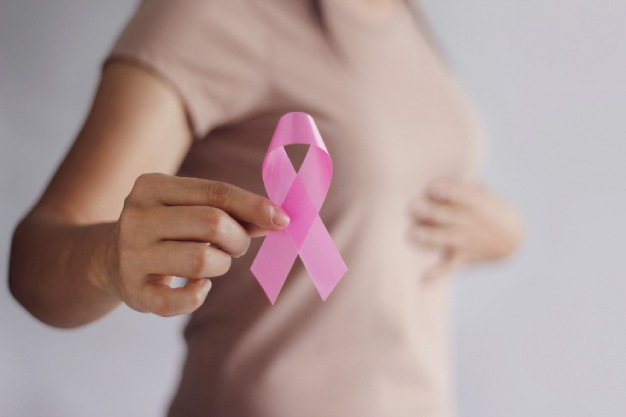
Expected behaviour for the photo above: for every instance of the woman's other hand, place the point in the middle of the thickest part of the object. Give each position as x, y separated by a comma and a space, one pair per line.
467, 221
186, 227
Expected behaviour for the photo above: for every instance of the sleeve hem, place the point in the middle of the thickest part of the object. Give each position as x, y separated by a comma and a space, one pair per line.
196, 114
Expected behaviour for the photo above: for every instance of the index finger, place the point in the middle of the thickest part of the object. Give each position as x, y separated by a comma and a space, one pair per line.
239, 203
452, 192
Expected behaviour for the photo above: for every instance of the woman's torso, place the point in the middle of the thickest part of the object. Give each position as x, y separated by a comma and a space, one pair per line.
393, 120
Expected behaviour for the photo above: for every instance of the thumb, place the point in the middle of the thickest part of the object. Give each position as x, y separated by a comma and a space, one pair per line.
165, 301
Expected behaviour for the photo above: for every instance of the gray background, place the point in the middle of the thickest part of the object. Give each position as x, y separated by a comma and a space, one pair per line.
539, 335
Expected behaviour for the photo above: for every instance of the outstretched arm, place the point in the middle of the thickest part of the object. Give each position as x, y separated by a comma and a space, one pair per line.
103, 233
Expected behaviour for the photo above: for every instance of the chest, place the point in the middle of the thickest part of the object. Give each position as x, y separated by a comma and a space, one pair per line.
389, 111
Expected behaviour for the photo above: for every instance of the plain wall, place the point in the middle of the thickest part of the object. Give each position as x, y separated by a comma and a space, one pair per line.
539, 335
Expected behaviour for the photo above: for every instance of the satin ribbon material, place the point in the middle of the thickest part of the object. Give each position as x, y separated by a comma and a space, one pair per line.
301, 195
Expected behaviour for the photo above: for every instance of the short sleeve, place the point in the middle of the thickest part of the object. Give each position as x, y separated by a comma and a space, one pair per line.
214, 53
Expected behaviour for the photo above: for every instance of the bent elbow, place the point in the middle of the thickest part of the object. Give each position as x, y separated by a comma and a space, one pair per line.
18, 261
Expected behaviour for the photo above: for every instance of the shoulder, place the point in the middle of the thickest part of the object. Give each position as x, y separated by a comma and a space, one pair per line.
214, 52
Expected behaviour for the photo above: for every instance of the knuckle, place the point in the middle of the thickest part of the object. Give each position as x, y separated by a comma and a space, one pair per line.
240, 246
219, 264
220, 227
244, 246
219, 193
162, 307
198, 260
136, 196
144, 182
197, 298
223, 266
130, 218
144, 187
130, 200
218, 222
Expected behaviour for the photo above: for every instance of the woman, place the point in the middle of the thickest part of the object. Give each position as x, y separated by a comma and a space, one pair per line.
169, 160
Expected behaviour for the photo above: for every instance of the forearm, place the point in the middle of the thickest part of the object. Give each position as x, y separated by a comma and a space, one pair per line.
57, 269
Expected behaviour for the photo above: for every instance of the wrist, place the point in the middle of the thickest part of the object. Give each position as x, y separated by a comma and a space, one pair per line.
104, 262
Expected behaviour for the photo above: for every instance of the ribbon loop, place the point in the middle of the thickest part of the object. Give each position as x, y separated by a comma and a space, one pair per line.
301, 195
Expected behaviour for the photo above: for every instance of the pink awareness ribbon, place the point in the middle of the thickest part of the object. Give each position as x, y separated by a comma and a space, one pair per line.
301, 195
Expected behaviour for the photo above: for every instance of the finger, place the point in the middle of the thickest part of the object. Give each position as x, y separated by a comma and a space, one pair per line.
239, 203
254, 230
431, 213
436, 237
450, 261
165, 301
202, 224
451, 192
186, 260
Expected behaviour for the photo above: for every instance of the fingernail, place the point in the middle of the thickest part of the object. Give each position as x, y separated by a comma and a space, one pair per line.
280, 218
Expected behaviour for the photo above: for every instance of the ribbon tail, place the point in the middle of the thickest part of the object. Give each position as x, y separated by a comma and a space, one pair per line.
273, 262
322, 259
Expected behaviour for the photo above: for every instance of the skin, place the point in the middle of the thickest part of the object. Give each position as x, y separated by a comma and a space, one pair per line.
468, 222
374, 9
105, 232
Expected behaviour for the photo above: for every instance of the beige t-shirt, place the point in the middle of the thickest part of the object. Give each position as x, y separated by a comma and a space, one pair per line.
393, 120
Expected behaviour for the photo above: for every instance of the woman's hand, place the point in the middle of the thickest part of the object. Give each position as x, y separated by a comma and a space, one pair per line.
172, 226
467, 221
91, 243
